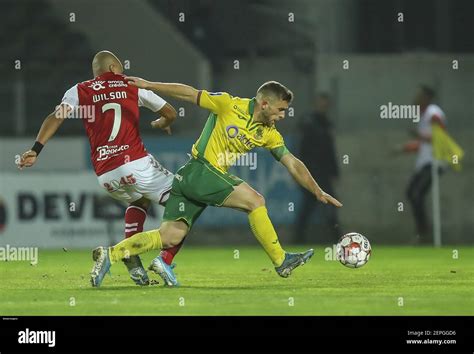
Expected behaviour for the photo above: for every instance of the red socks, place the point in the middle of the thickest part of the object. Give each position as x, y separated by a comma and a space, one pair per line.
134, 220
168, 254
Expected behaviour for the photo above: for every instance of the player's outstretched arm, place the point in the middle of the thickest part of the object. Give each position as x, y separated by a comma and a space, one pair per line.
178, 91
167, 117
300, 173
49, 127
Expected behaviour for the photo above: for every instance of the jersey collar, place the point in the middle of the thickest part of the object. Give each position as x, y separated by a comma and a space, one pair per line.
251, 122
251, 107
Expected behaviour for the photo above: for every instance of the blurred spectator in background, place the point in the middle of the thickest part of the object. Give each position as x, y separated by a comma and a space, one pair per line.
420, 181
317, 150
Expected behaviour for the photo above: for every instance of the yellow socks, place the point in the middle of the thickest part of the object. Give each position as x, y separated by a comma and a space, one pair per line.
263, 230
138, 243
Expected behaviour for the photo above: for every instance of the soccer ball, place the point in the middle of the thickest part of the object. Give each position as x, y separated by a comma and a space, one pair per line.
353, 250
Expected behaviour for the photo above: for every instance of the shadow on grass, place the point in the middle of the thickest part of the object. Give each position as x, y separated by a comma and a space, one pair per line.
160, 287
237, 287
123, 287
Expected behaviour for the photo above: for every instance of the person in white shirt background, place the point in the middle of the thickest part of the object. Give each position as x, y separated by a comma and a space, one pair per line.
421, 180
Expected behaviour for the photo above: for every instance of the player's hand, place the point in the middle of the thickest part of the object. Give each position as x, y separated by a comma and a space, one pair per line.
162, 124
327, 198
138, 82
28, 159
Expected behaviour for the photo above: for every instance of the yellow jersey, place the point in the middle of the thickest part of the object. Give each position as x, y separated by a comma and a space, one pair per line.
231, 132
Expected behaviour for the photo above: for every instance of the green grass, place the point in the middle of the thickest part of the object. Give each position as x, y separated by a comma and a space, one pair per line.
429, 280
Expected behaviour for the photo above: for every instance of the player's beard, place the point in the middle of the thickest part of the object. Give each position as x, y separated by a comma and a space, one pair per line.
266, 120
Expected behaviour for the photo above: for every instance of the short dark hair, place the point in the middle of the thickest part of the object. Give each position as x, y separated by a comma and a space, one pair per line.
428, 91
275, 88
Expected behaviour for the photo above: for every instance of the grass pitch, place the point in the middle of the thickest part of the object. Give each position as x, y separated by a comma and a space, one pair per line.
396, 281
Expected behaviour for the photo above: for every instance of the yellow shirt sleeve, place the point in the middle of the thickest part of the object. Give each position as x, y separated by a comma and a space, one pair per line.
214, 101
276, 144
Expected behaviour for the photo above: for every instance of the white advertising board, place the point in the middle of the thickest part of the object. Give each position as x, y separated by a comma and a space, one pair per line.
61, 210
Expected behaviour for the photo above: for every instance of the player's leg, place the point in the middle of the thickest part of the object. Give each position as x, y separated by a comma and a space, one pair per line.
135, 216
417, 189
156, 183
176, 231
163, 264
202, 182
424, 189
167, 255
141, 182
134, 219
180, 214
243, 197
170, 234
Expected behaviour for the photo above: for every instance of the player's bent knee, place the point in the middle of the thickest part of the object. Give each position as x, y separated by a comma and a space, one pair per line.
257, 201
172, 239
172, 233
176, 240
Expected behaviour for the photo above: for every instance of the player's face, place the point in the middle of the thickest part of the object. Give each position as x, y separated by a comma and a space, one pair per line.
273, 111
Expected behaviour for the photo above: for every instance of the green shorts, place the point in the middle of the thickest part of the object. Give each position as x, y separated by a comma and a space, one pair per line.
195, 186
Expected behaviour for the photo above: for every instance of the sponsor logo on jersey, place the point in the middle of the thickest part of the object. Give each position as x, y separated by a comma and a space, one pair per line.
117, 83
97, 85
240, 111
244, 139
107, 151
233, 132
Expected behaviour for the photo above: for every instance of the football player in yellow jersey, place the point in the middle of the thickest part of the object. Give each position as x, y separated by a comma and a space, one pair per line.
234, 127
